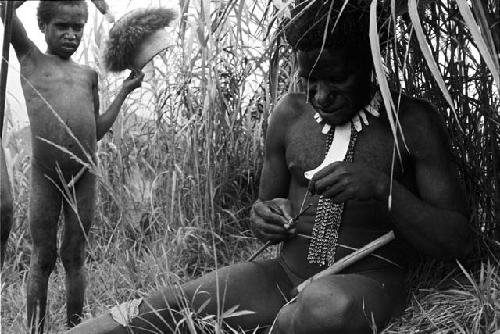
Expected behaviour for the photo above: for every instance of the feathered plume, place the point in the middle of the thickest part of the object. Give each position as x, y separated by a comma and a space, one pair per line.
129, 32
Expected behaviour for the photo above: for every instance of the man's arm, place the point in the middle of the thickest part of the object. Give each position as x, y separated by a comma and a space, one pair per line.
275, 177
273, 210
20, 41
435, 220
106, 120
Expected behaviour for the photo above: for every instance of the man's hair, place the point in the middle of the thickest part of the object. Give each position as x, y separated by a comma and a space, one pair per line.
47, 8
318, 24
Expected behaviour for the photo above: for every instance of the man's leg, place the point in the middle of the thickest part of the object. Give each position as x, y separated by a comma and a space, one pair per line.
259, 287
44, 209
350, 303
6, 205
72, 252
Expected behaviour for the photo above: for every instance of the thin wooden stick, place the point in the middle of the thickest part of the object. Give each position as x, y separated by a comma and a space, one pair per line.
351, 258
259, 251
8, 12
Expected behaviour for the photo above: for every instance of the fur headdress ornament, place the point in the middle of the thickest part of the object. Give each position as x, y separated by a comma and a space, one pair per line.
136, 38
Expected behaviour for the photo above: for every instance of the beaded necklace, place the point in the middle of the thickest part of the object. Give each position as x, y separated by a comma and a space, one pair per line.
328, 214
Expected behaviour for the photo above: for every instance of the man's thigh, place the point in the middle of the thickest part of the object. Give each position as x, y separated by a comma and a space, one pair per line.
350, 303
261, 288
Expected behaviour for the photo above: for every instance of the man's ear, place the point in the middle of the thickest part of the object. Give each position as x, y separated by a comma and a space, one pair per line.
42, 26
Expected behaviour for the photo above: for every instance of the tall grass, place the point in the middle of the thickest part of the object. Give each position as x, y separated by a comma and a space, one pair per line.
180, 170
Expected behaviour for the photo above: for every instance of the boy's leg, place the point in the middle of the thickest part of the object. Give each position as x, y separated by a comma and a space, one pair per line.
44, 210
6, 205
258, 287
72, 252
349, 303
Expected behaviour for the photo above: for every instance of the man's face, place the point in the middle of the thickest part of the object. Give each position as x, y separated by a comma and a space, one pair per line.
64, 32
335, 86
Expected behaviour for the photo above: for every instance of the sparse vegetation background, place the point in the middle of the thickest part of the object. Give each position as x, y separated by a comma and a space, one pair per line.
180, 170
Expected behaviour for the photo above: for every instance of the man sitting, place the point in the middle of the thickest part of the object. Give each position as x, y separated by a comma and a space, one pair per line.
347, 201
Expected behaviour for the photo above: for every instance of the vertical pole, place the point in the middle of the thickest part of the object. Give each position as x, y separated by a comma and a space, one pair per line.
8, 13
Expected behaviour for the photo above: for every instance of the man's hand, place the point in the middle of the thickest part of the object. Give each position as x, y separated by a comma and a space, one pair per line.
342, 181
133, 82
269, 218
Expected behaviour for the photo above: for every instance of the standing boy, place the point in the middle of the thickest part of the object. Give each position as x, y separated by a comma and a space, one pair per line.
63, 108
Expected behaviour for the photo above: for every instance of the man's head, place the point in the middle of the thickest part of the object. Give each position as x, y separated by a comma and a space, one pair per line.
334, 57
62, 22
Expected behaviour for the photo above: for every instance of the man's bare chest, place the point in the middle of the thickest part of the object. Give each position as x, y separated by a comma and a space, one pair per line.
306, 147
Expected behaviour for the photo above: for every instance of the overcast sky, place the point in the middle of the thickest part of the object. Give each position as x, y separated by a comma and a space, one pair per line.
27, 15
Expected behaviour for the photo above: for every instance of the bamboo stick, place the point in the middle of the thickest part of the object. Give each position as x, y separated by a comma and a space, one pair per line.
351, 258
8, 13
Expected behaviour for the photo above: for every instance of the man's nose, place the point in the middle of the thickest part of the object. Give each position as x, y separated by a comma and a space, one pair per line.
322, 95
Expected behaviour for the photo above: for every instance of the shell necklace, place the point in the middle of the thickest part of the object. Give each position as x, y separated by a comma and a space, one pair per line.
340, 144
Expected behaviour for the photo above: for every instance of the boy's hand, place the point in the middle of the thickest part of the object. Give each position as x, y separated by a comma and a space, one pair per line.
133, 82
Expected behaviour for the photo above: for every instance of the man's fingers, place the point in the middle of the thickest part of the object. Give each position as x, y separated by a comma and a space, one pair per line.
286, 209
326, 170
334, 190
325, 183
272, 212
327, 177
268, 228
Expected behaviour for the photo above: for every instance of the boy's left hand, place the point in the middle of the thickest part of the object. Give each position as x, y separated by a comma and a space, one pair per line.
133, 81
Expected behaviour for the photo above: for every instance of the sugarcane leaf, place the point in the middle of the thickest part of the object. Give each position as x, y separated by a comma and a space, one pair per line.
426, 51
488, 57
379, 70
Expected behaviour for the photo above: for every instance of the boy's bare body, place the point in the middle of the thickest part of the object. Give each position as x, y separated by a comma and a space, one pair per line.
60, 93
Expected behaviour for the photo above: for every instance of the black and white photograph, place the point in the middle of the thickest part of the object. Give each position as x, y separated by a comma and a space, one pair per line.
250, 167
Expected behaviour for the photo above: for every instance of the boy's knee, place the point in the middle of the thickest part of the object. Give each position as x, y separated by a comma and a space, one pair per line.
320, 311
72, 258
44, 259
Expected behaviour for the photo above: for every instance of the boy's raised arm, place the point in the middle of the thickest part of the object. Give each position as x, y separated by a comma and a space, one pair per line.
20, 41
106, 120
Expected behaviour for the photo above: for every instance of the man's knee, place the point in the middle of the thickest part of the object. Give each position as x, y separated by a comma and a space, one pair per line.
319, 309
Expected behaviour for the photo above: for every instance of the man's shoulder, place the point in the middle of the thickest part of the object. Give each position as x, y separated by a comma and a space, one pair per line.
423, 126
289, 106
418, 112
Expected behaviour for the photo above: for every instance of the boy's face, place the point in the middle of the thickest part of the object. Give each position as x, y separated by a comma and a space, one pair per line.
65, 30
336, 87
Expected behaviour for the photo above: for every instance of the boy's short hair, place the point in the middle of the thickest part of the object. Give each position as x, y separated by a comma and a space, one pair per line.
47, 8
